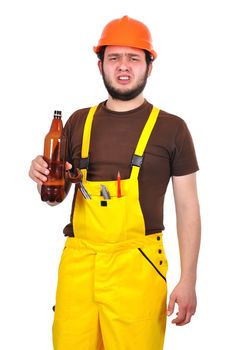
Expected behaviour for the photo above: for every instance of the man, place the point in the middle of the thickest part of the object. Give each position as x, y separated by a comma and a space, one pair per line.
112, 289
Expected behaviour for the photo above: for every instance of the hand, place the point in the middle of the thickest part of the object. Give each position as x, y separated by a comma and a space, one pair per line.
184, 296
39, 170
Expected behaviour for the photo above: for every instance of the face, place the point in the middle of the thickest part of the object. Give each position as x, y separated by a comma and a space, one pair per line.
124, 71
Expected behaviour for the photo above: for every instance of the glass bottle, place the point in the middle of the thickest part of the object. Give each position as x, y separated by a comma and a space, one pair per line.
54, 154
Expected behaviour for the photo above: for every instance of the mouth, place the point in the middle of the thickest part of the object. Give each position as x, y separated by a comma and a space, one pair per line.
123, 79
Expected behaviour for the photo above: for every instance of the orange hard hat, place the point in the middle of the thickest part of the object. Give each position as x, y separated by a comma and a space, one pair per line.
126, 31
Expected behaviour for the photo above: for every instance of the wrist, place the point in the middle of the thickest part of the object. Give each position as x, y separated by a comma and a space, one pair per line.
188, 278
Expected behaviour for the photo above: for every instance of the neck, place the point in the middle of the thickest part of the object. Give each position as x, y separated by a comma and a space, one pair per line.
124, 106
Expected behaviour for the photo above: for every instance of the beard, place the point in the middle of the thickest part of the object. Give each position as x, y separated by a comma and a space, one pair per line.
126, 95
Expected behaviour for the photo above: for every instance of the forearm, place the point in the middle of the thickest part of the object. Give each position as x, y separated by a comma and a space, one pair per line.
188, 224
189, 235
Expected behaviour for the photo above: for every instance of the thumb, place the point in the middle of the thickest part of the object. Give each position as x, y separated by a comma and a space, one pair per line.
68, 166
171, 305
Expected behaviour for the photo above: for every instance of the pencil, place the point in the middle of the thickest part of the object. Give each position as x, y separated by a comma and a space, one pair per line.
119, 185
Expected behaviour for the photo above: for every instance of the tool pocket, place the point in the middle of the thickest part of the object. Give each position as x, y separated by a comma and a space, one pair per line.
105, 219
141, 289
156, 257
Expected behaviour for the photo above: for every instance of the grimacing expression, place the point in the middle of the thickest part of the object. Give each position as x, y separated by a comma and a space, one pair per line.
124, 71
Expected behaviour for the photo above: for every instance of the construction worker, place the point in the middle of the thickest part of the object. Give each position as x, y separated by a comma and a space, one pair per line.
112, 290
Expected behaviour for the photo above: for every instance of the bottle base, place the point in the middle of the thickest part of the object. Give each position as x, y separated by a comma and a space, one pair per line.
52, 193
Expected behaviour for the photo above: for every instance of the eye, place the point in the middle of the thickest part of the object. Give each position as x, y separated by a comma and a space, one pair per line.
112, 58
134, 58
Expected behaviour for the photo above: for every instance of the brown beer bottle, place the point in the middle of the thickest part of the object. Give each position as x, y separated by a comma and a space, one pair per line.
54, 154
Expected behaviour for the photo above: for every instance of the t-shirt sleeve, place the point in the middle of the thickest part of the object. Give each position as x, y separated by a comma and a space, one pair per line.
67, 133
73, 131
183, 159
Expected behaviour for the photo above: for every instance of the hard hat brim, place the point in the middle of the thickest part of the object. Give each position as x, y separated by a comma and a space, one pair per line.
97, 49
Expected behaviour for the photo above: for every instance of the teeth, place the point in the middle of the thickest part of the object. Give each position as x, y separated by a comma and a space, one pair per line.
123, 78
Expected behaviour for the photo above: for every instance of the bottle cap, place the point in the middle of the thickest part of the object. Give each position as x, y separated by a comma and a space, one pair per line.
57, 114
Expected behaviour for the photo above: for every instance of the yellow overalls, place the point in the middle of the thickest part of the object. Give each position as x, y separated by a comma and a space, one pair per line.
111, 292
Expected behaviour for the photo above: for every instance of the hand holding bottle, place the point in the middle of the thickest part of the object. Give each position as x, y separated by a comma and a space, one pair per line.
51, 172
39, 170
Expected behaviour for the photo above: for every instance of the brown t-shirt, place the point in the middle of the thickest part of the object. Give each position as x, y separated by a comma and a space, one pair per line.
114, 136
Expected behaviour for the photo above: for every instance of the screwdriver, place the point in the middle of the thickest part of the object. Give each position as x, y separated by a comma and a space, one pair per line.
105, 192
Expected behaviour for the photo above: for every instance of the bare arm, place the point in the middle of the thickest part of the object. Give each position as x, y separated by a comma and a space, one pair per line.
189, 232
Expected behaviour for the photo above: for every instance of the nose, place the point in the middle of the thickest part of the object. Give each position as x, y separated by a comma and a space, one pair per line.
123, 65
123, 68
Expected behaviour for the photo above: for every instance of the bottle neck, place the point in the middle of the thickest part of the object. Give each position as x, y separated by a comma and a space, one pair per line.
57, 125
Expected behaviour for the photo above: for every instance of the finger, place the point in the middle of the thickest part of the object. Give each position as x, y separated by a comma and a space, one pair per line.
38, 170
171, 306
37, 177
186, 320
68, 166
40, 161
40, 165
181, 316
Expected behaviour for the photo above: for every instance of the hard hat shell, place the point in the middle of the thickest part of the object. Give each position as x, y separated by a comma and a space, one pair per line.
126, 31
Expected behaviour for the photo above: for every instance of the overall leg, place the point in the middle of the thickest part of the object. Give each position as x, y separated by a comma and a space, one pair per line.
132, 300
76, 319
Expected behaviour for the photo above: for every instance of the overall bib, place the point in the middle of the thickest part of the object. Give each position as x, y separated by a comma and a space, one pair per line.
111, 292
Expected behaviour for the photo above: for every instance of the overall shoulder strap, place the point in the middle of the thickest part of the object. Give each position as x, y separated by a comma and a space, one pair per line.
137, 158
84, 161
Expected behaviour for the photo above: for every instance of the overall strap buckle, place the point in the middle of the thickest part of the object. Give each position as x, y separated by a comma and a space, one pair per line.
84, 163
137, 160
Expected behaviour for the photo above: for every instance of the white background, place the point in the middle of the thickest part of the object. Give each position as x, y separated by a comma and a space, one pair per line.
47, 63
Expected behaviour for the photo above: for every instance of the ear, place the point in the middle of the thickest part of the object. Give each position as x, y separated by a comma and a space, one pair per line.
100, 66
149, 69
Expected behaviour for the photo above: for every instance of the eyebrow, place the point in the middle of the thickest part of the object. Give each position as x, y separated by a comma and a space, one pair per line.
120, 54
